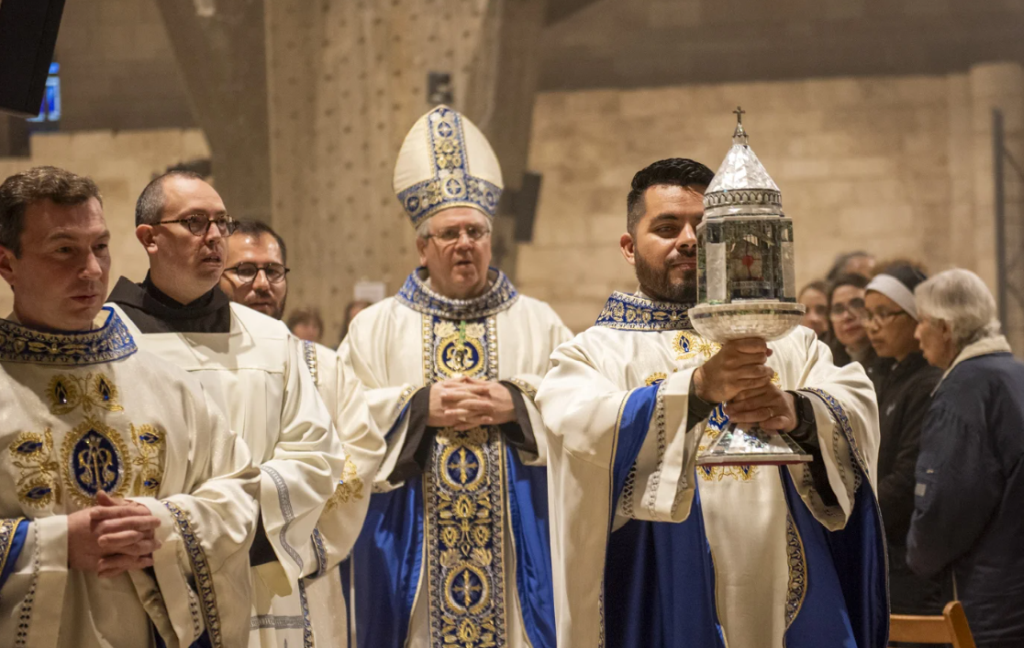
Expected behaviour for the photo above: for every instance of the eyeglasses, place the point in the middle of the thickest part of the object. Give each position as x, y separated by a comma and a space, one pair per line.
881, 318
247, 272
854, 307
450, 235
199, 224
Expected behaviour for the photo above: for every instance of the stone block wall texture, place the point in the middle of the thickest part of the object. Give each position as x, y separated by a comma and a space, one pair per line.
898, 166
121, 164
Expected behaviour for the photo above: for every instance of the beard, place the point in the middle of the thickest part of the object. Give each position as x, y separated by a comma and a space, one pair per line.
657, 284
271, 309
279, 310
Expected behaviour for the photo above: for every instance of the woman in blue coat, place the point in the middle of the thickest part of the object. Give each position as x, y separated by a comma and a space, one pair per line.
969, 492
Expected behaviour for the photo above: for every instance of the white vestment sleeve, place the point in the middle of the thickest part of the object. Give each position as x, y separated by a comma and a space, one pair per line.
846, 415
386, 403
581, 408
38, 581
584, 408
660, 485
202, 567
342, 518
529, 383
300, 475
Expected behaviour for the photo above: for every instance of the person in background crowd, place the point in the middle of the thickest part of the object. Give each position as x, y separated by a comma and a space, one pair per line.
256, 269
849, 341
306, 324
257, 276
859, 263
883, 267
815, 297
351, 310
904, 384
969, 497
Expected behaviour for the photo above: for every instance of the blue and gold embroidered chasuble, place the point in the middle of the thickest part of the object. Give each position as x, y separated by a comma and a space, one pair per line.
463, 535
835, 580
85, 413
458, 520
463, 489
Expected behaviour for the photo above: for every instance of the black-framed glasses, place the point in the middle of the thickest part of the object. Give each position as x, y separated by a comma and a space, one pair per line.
854, 307
199, 224
882, 318
450, 235
246, 272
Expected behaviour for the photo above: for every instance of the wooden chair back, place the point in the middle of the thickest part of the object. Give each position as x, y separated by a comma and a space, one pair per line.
950, 628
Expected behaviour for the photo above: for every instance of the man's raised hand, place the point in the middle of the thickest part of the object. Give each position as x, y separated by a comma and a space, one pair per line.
739, 366
770, 407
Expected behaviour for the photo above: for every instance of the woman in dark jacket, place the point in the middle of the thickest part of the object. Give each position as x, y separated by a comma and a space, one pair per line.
969, 492
904, 383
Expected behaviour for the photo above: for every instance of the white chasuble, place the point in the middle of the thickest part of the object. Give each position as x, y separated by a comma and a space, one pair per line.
758, 560
88, 412
454, 551
343, 516
258, 375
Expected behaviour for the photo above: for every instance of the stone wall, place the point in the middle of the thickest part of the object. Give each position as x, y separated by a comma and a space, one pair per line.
898, 166
121, 164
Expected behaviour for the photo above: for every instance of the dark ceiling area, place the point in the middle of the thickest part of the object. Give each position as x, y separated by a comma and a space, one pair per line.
638, 43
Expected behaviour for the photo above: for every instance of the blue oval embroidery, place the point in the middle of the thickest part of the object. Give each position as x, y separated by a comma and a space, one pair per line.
96, 464
460, 358
29, 447
61, 392
38, 492
104, 389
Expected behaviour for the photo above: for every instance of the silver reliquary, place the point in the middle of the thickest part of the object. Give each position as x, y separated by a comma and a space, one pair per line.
746, 284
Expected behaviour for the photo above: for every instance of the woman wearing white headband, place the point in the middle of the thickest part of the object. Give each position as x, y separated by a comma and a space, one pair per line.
904, 382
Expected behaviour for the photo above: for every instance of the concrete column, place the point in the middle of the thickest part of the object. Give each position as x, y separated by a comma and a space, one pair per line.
999, 86
221, 56
502, 94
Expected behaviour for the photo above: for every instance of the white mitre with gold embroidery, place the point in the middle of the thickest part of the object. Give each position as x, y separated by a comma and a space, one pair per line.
445, 161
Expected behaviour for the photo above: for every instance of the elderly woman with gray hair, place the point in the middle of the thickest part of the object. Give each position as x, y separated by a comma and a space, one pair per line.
969, 495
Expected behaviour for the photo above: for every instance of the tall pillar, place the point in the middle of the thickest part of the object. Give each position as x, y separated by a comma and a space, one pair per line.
346, 81
220, 51
501, 104
1000, 86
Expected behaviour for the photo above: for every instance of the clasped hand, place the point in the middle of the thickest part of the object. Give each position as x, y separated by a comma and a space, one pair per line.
111, 538
466, 403
739, 376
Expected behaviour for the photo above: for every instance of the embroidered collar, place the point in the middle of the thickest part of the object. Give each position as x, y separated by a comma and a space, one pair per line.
418, 296
110, 342
637, 313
